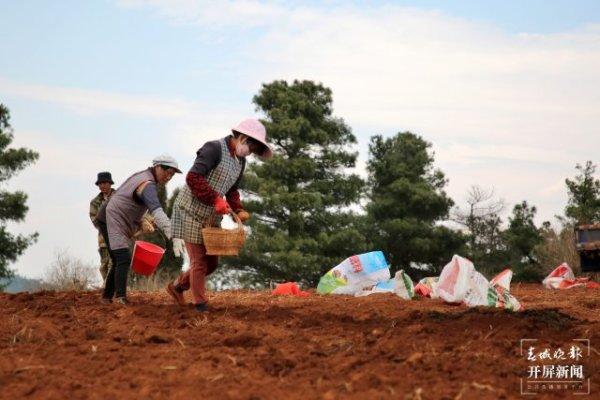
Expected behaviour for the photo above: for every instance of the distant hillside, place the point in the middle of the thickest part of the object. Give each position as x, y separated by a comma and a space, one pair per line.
21, 284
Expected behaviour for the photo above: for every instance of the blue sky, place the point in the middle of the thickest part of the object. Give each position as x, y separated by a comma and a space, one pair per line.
98, 44
530, 16
507, 91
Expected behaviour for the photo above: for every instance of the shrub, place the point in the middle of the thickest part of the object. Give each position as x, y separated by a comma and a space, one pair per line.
69, 273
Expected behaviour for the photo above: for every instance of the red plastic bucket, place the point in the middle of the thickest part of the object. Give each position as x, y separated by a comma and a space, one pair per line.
146, 257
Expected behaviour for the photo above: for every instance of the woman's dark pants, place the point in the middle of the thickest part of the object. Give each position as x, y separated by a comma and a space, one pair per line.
115, 284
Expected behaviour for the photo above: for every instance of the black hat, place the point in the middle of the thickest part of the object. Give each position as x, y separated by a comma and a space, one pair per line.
104, 177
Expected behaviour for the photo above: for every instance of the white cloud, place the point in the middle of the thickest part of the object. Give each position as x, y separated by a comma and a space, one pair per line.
191, 123
394, 68
464, 154
400, 69
217, 14
90, 102
556, 188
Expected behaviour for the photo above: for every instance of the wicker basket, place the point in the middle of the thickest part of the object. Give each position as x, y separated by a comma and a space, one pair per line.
224, 242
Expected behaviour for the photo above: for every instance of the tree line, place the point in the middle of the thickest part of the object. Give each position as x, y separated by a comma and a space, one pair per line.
310, 211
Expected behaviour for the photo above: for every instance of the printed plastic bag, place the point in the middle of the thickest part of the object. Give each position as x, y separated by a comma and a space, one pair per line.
503, 279
427, 287
401, 285
500, 297
562, 277
455, 279
495, 294
477, 290
460, 282
354, 274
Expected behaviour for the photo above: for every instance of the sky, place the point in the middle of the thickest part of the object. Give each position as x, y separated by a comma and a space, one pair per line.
507, 92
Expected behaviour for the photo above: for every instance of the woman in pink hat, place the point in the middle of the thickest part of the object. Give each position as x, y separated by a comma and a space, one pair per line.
217, 172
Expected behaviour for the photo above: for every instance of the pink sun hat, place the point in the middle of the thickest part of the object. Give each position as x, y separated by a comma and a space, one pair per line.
254, 129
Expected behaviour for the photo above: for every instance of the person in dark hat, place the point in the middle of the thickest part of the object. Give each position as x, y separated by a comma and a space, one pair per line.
104, 183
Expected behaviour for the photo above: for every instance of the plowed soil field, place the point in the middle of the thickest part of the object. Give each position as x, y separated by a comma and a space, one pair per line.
252, 345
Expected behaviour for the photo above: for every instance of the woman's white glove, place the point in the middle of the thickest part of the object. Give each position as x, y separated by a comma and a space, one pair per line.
178, 247
162, 221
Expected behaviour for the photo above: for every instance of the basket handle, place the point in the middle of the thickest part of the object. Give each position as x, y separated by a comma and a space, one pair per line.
237, 220
209, 223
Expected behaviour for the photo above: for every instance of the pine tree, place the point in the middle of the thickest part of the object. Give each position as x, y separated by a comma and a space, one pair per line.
407, 203
522, 235
521, 238
301, 225
13, 205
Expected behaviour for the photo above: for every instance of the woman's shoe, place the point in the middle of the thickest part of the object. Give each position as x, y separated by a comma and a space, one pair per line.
201, 307
175, 294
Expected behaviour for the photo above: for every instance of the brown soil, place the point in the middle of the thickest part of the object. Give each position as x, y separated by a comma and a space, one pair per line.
256, 346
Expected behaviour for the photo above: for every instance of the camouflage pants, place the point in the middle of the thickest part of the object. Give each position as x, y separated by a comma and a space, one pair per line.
105, 262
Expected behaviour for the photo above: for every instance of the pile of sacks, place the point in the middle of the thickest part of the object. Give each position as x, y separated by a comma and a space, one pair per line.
365, 274
459, 282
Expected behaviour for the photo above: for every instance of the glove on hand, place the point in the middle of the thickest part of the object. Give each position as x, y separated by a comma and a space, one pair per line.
178, 247
147, 226
243, 215
162, 221
221, 206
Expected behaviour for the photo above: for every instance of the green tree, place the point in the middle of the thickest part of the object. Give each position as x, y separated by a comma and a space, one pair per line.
522, 235
13, 205
407, 203
302, 225
521, 238
584, 196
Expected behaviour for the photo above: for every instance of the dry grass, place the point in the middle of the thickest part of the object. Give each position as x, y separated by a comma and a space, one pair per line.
154, 283
558, 247
69, 273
